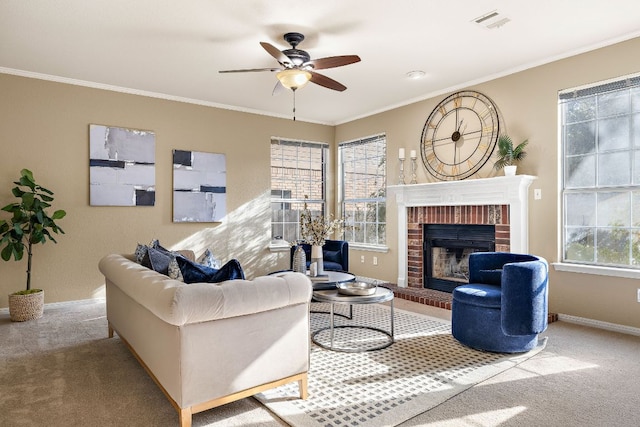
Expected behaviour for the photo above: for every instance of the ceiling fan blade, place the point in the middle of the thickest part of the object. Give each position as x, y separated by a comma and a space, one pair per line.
275, 52
325, 81
250, 70
278, 89
332, 61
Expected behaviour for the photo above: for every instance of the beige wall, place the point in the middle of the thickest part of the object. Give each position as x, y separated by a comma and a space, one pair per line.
44, 127
528, 102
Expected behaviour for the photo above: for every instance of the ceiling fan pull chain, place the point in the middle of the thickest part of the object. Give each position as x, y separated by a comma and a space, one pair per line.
294, 105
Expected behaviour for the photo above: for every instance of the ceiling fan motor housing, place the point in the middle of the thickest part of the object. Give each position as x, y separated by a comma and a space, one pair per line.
297, 56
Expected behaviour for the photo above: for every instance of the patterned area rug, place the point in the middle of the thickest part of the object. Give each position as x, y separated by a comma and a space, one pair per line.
423, 368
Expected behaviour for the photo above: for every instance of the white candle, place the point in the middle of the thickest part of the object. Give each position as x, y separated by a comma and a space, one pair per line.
401, 154
413, 154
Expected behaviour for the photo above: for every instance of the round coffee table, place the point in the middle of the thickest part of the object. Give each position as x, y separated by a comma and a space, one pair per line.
334, 297
331, 279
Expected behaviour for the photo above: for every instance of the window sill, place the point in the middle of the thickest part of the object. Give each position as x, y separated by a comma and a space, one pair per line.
279, 246
365, 247
628, 273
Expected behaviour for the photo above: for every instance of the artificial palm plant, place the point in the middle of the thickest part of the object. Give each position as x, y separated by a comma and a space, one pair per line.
507, 153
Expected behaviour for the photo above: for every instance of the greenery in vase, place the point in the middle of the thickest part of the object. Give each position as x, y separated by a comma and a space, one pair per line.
30, 223
315, 230
507, 153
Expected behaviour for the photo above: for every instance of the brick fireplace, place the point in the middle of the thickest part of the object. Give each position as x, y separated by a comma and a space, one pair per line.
419, 216
499, 201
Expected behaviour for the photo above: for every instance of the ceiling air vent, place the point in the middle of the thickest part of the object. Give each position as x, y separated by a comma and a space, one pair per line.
491, 20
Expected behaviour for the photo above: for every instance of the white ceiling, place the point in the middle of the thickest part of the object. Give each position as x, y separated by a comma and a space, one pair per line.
175, 49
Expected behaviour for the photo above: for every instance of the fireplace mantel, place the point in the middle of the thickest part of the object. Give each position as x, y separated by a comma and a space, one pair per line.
512, 191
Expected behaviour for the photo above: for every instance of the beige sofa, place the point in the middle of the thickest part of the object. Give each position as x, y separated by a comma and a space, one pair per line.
207, 344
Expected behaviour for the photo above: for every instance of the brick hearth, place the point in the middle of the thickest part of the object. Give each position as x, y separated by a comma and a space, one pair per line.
422, 296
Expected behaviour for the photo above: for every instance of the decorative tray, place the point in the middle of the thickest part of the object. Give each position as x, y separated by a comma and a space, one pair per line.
356, 288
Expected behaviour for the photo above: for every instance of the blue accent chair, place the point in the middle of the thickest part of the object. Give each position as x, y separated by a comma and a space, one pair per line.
504, 306
335, 255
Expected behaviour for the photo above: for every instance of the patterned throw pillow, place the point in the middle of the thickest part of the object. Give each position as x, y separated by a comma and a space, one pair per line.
174, 270
208, 260
141, 250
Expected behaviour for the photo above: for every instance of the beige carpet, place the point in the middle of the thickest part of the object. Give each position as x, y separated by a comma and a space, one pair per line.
61, 371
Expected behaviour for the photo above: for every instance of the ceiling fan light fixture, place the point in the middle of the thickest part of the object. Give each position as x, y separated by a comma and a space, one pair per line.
293, 78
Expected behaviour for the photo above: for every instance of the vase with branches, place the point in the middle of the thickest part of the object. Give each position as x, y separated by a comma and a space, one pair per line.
315, 231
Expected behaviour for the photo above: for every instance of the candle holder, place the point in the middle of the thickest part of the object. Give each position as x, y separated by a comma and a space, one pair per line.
401, 180
414, 168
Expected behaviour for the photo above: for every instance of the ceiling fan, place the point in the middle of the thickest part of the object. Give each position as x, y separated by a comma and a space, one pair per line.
297, 67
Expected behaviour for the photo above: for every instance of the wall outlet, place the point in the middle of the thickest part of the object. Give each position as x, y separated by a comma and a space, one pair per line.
361, 258
638, 295
537, 193
375, 261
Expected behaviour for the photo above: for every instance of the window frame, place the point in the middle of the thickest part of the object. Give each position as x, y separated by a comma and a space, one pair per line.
297, 194
569, 188
380, 200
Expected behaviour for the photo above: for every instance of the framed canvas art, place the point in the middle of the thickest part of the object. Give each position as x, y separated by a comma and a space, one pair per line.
122, 170
199, 186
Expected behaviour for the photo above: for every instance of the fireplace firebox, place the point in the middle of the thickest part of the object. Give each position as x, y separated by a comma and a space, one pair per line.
446, 252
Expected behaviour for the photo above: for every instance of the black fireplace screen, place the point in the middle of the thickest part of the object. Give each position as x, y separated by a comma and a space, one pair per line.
446, 252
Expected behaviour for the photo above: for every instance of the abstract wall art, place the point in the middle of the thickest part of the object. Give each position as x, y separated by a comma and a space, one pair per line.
199, 186
122, 169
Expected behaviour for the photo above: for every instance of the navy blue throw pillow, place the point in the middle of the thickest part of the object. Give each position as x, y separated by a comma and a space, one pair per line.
193, 272
157, 260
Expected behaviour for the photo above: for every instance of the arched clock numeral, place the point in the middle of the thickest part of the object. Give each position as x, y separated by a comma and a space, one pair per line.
459, 135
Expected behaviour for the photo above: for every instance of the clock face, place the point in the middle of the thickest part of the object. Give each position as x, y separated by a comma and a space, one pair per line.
459, 136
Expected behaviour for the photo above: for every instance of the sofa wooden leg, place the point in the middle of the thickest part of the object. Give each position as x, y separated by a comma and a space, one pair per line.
185, 417
302, 384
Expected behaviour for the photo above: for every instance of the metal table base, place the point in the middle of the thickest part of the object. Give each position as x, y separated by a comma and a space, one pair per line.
333, 297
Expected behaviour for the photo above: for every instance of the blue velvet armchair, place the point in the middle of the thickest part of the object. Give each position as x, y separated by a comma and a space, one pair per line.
504, 306
335, 254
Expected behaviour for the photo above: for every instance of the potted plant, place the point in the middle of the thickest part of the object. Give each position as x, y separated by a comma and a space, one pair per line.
508, 154
29, 224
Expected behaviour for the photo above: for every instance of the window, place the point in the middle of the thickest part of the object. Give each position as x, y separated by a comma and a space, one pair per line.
600, 139
298, 170
363, 189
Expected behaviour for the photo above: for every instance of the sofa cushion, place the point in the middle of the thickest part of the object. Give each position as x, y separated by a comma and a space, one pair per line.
478, 294
178, 303
490, 277
192, 272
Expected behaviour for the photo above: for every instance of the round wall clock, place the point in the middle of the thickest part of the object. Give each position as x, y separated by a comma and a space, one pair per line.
460, 135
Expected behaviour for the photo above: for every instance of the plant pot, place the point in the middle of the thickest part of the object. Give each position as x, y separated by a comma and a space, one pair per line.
26, 307
510, 170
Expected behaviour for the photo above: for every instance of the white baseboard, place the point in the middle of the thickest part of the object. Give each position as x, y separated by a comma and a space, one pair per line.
54, 304
599, 324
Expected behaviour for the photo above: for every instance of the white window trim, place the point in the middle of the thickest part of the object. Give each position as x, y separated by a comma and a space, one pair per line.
597, 270
568, 266
340, 203
370, 248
